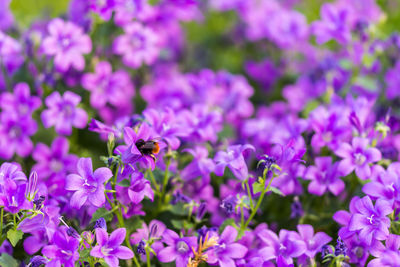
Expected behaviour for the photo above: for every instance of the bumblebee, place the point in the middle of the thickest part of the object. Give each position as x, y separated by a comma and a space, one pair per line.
148, 148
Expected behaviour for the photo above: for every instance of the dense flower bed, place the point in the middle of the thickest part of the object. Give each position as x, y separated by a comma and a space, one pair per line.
195, 133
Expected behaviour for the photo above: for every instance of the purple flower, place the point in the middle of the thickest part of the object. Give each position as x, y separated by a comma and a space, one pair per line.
104, 8
334, 24
138, 189
20, 101
6, 17
54, 162
201, 165
357, 156
88, 185
234, 159
63, 113
63, 251
13, 197
392, 80
11, 171
127, 10
154, 231
130, 152
283, 248
109, 248
324, 176
138, 45
67, 43
14, 135
227, 249
178, 249
314, 243
370, 220
37, 261
10, 53
108, 87
387, 255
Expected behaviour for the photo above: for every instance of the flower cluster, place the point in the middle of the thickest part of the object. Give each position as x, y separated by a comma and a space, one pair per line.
193, 133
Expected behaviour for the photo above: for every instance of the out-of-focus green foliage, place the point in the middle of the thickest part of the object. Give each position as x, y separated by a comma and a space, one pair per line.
26, 11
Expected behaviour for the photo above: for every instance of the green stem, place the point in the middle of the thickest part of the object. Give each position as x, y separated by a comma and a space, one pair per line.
253, 213
148, 257
249, 194
165, 181
241, 215
153, 180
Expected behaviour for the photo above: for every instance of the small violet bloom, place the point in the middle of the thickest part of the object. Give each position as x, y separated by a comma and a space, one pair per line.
234, 159
227, 249
370, 220
67, 43
178, 249
139, 188
63, 113
324, 176
109, 247
88, 185
357, 156
20, 101
138, 45
63, 251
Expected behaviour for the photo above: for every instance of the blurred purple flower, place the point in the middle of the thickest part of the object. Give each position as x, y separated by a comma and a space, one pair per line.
103, 8
201, 165
154, 231
88, 185
20, 101
314, 243
357, 156
324, 176
139, 188
14, 135
63, 113
233, 158
67, 43
109, 247
6, 17
108, 87
392, 80
138, 45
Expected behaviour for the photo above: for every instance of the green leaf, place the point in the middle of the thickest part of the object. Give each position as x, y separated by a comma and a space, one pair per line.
7, 260
226, 223
276, 191
84, 254
257, 187
102, 212
14, 236
179, 209
177, 224
125, 183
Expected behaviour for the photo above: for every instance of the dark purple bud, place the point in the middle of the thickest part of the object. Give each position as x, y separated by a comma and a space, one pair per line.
229, 204
325, 250
201, 211
100, 223
37, 261
141, 248
204, 230
73, 233
179, 197
340, 248
39, 202
297, 209
355, 121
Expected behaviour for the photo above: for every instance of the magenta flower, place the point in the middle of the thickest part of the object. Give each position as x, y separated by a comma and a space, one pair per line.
201, 165
227, 249
20, 101
63, 251
370, 220
178, 249
392, 79
54, 163
324, 176
138, 189
283, 248
7, 18
10, 53
67, 43
13, 197
138, 45
104, 8
63, 113
108, 87
357, 156
88, 185
153, 232
109, 247
14, 134
233, 158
